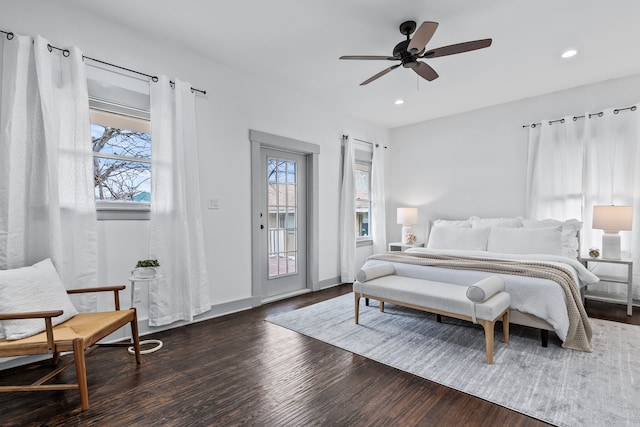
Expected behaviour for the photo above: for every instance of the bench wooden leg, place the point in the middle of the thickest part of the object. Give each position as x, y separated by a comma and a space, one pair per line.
357, 306
381, 306
505, 327
488, 337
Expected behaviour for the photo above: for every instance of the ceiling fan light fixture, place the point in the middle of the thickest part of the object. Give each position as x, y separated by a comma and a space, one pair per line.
569, 53
399, 101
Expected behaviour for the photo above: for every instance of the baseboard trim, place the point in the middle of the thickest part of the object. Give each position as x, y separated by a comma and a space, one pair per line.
329, 283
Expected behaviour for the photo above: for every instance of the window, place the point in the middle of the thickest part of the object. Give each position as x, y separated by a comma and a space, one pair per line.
121, 142
121, 157
362, 179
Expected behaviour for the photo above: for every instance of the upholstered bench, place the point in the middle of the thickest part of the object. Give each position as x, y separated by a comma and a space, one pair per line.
484, 302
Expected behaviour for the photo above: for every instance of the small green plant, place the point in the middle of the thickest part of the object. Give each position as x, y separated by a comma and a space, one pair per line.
148, 263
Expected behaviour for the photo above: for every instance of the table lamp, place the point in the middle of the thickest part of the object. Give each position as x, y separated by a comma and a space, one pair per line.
407, 217
612, 219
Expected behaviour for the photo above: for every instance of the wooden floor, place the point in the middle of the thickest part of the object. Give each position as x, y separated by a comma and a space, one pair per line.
240, 370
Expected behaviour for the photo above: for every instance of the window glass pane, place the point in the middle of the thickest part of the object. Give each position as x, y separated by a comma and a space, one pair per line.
121, 166
271, 170
121, 142
122, 180
291, 172
362, 177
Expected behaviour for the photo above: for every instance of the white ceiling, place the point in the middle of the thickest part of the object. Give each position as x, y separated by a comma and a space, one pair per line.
296, 44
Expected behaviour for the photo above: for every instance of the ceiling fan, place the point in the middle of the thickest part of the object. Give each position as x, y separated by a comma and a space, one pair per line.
410, 50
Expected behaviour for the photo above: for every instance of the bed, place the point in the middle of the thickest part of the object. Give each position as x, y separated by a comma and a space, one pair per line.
537, 302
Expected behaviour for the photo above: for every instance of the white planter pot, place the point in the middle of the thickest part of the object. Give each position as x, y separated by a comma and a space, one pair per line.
144, 272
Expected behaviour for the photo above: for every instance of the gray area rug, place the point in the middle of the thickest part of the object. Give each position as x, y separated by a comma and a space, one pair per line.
556, 385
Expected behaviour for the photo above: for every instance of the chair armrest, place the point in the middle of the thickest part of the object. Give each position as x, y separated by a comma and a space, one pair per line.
46, 315
31, 315
114, 289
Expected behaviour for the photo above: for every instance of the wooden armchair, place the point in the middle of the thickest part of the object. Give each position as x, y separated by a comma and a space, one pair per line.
77, 335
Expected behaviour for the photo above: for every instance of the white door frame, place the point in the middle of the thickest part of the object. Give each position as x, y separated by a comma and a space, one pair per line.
311, 152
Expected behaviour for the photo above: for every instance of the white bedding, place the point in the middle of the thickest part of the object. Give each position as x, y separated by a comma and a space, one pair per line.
542, 298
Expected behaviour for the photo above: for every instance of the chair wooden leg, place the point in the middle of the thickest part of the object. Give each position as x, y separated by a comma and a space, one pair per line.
81, 372
56, 358
135, 338
357, 307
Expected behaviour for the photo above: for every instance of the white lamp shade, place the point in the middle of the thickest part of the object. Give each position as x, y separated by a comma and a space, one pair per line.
612, 218
407, 216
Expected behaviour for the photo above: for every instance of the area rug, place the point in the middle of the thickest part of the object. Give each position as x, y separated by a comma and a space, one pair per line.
553, 384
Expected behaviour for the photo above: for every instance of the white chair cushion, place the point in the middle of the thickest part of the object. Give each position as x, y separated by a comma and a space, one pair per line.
35, 288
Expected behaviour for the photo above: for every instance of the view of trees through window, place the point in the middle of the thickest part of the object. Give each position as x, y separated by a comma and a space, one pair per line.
121, 164
362, 175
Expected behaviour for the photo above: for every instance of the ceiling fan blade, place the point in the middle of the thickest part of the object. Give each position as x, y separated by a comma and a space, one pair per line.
423, 70
457, 48
422, 36
380, 74
369, 57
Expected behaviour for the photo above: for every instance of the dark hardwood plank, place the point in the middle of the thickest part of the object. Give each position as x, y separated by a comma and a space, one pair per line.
241, 370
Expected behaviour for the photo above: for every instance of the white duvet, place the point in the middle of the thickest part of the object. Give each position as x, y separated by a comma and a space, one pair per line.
540, 297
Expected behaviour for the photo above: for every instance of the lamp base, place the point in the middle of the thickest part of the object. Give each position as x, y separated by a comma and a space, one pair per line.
406, 229
611, 246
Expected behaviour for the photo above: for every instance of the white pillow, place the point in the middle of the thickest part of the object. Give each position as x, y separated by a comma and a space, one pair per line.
458, 238
525, 240
452, 223
35, 288
495, 222
570, 230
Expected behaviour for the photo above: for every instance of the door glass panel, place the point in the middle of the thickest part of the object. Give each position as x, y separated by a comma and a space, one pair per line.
282, 217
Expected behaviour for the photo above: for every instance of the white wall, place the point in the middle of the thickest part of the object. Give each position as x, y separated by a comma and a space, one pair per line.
475, 163
235, 102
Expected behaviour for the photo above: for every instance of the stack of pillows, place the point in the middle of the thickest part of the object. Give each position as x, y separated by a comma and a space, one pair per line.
508, 235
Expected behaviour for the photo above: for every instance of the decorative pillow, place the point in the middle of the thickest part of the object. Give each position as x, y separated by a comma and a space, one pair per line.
570, 230
374, 271
485, 289
452, 223
458, 238
477, 222
525, 240
35, 288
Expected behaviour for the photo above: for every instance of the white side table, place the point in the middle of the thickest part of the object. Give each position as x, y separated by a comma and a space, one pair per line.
628, 281
149, 282
399, 246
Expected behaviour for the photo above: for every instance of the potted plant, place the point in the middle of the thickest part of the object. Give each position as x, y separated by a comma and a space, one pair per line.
146, 269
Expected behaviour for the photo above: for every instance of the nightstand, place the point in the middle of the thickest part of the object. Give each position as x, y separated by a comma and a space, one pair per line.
628, 281
399, 246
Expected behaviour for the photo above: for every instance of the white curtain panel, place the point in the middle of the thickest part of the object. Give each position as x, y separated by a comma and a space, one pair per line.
47, 198
347, 214
577, 164
378, 204
176, 231
554, 170
612, 177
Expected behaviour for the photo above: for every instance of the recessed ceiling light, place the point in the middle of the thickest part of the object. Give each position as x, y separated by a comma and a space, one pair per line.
569, 53
399, 101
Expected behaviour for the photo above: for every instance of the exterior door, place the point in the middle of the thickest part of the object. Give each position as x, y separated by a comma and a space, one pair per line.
284, 245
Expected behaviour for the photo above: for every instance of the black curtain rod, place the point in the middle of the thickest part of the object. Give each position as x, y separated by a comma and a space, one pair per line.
366, 142
65, 53
600, 114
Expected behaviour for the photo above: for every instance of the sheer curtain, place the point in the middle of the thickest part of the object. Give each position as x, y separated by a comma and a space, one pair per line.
612, 176
176, 231
576, 164
378, 220
554, 170
347, 214
47, 205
